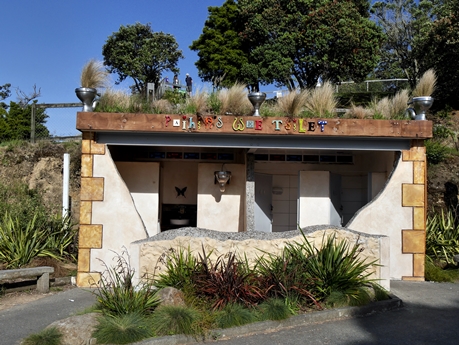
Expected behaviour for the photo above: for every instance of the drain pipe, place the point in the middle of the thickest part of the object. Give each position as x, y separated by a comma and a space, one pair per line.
65, 189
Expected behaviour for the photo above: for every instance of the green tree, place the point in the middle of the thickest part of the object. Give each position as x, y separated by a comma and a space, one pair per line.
438, 48
15, 122
220, 49
294, 43
5, 92
403, 22
137, 52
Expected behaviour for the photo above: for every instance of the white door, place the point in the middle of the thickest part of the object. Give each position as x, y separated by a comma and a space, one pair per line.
263, 202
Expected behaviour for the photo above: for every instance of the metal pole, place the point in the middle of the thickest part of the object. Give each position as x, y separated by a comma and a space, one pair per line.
32, 124
66, 182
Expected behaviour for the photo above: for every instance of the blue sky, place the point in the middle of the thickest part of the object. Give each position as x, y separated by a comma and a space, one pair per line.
47, 42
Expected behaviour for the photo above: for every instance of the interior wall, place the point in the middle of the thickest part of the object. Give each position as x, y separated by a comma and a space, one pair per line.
179, 175
354, 184
216, 210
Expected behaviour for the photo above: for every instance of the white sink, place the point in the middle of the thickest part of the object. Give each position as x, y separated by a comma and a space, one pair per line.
180, 221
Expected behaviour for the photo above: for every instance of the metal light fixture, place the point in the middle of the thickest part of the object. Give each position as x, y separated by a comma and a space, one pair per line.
222, 177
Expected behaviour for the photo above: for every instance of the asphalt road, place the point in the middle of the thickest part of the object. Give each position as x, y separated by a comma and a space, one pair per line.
430, 316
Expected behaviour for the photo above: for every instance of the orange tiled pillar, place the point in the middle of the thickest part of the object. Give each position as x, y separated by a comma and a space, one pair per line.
92, 190
414, 195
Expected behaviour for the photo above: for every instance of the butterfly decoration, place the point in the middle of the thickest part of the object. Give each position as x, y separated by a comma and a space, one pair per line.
180, 191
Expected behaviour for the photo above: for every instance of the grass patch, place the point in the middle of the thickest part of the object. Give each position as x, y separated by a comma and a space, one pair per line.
48, 336
122, 329
168, 320
437, 274
232, 315
274, 309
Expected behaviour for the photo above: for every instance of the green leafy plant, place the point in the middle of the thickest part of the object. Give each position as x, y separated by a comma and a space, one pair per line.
20, 243
436, 273
48, 336
122, 329
233, 314
167, 320
442, 237
336, 267
436, 151
179, 267
116, 294
274, 309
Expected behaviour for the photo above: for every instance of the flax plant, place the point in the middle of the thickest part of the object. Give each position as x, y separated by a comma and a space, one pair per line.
442, 237
293, 103
322, 101
93, 75
426, 85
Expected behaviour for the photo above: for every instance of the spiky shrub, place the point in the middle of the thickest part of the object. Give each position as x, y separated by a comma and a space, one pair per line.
234, 100
322, 101
48, 336
426, 85
122, 329
336, 267
226, 280
175, 268
442, 237
167, 320
232, 315
20, 243
293, 103
116, 294
93, 75
274, 309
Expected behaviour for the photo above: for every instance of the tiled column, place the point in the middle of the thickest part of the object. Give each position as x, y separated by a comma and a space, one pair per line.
250, 193
92, 190
414, 195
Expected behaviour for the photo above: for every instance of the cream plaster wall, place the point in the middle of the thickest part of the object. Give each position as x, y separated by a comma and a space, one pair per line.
374, 248
142, 180
385, 215
121, 221
216, 210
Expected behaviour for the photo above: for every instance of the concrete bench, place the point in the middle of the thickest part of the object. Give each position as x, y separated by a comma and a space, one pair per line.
41, 272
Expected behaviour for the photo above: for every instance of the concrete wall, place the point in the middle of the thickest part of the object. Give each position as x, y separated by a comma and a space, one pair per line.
179, 174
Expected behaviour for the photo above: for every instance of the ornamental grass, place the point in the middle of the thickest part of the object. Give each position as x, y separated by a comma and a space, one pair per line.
93, 75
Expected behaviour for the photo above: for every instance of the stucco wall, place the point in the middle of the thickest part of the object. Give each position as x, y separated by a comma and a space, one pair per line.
252, 246
142, 180
120, 220
386, 215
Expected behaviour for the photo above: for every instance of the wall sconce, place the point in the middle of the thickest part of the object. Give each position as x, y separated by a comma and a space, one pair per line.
222, 177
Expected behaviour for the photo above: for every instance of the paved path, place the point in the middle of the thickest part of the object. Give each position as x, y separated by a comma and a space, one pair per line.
23, 320
430, 316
